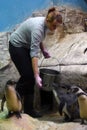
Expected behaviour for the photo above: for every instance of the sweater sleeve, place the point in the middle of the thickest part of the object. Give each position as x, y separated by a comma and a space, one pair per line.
36, 39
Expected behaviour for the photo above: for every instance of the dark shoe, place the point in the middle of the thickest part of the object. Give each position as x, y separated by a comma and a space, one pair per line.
35, 114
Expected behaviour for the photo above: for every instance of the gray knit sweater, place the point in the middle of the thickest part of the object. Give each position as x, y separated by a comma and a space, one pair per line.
30, 34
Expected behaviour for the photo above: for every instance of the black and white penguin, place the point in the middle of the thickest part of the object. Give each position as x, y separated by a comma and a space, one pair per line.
82, 100
13, 100
67, 103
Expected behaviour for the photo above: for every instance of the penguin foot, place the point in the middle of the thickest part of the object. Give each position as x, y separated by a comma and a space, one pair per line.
18, 114
67, 119
83, 122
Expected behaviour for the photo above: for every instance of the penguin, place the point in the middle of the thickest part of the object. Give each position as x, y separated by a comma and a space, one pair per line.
62, 107
13, 100
82, 101
67, 103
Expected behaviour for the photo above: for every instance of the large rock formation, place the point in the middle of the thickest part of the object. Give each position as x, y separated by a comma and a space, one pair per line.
69, 52
66, 47
24, 123
51, 122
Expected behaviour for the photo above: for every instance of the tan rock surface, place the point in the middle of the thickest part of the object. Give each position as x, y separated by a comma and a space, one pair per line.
47, 122
67, 46
24, 123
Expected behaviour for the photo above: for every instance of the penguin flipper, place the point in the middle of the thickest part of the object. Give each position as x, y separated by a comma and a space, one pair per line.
18, 96
2, 103
61, 107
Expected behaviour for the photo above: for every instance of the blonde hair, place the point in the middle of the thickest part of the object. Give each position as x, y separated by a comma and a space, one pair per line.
53, 14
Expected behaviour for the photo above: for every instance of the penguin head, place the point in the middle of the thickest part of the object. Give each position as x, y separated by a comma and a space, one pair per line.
76, 89
11, 82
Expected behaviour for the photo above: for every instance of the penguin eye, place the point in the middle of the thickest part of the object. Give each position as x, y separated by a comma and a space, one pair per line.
11, 82
74, 90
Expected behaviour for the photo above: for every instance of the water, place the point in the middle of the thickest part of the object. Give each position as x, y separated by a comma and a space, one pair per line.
13, 12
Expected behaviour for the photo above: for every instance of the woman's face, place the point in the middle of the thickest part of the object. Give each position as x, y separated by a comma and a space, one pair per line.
52, 25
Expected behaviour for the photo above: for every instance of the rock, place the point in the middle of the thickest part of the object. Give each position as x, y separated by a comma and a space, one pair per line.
48, 122
69, 52
66, 47
24, 123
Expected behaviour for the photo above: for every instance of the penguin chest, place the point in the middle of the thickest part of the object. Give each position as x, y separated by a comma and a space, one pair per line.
12, 102
83, 108
12, 105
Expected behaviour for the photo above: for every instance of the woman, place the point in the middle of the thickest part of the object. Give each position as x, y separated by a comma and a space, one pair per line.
24, 46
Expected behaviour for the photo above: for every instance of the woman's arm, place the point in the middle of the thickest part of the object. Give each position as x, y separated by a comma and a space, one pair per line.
36, 71
44, 51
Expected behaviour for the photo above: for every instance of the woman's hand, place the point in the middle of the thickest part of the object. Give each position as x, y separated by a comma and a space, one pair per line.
44, 51
46, 54
38, 81
36, 72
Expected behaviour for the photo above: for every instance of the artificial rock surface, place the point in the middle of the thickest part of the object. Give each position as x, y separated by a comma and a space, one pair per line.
66, 47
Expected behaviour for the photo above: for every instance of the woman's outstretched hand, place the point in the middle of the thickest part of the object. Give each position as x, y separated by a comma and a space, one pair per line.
38, 81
